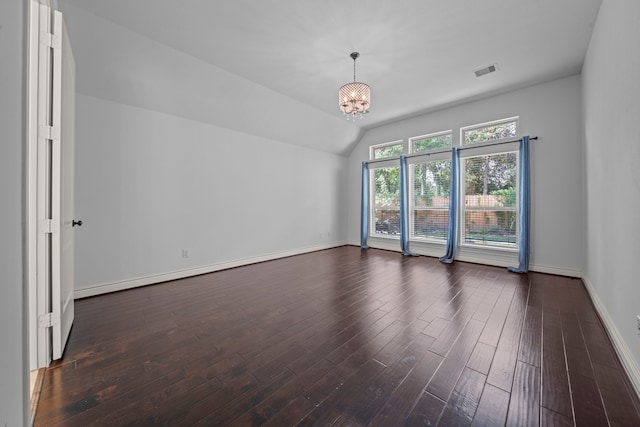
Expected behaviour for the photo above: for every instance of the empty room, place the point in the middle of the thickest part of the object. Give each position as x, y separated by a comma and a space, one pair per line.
297, 212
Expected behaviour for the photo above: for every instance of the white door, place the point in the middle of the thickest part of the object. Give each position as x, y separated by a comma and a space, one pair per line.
62, 253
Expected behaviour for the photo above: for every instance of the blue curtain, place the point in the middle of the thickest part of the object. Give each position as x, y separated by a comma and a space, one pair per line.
364, 206
404, 208
454, 195
524, 204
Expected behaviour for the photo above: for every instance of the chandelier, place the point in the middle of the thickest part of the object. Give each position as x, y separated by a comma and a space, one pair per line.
354, 98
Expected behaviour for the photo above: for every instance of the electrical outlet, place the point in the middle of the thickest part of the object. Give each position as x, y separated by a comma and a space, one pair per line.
185, 253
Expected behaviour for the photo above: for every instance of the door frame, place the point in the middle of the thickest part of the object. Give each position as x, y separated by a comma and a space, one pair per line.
37, 110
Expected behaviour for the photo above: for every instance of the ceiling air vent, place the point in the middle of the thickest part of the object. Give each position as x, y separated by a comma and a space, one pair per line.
486, 70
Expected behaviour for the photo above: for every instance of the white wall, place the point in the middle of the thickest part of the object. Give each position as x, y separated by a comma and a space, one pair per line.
149, 184
13, 369
611, 91
121, 65
174, 153
550, 111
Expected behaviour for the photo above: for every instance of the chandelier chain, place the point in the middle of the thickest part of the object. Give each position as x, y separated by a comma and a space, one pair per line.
354, 70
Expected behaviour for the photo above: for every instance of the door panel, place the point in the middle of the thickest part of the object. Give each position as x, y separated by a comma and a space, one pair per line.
62, 254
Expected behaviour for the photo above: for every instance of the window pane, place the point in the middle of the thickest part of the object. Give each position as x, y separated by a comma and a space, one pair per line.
490, 181
491, 133
387, 151
430, 223
431, 143
431, 185
496, 228
490, 200
387, 221
386, 197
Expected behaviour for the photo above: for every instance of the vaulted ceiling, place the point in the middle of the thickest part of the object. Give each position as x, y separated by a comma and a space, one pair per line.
417, 56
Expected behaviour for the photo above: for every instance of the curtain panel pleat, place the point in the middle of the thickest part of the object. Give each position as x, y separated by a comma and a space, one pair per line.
404, 208
454, 195
524, 205
364, 206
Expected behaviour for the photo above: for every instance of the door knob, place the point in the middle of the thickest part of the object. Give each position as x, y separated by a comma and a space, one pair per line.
74, 223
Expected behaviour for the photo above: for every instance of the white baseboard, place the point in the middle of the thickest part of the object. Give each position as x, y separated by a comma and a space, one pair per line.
626, 358
555, 270
494, 261
181, 274
476, 259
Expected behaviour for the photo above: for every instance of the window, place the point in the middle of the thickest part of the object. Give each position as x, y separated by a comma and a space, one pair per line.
490, 216
429, 187
434, 141
489, 186
430, 202
390, 149
385, 190
492, 131
386, 201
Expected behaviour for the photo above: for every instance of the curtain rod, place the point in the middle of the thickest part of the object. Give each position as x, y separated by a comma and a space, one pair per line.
446, 150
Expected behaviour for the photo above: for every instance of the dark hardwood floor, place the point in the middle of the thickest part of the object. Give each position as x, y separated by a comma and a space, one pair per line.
341, 337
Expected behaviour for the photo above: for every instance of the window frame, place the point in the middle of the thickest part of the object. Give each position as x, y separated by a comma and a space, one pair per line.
389, 162
411, 162
483, 149
429, 135
373, 148
490, 142
492, 253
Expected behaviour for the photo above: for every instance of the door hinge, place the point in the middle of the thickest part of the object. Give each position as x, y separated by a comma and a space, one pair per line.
50, 40
49, 132
48, 226
48, 320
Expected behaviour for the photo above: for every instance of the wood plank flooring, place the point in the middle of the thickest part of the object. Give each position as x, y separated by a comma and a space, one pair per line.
341, 337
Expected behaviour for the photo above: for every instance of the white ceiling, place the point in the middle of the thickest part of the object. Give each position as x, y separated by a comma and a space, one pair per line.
417, 55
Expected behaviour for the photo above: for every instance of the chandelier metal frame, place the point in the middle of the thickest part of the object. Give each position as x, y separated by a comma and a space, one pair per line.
354, 98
